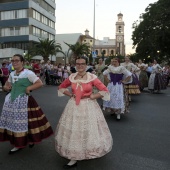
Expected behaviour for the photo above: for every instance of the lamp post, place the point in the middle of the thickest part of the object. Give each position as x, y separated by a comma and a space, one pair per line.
93, 33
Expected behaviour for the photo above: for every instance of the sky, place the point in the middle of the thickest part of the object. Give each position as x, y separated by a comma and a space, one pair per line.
75, 16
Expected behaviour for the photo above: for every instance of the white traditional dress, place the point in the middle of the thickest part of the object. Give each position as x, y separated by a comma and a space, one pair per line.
156, 81
118, 96
82, 132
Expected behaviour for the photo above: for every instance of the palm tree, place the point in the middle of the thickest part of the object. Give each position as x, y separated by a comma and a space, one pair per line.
78, 49
45, 48
28, 57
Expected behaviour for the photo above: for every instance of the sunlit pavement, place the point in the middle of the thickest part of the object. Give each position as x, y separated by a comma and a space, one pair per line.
141, 138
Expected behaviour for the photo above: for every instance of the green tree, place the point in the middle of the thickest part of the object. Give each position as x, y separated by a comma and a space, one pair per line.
151, 35
28, 57
45, 48
77, 50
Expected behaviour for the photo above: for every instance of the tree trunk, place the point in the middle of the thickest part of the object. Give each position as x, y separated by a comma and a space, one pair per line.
45, 58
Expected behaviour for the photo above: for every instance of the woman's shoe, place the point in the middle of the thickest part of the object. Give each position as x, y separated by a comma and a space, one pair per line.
118, 116
70, 166
14, 150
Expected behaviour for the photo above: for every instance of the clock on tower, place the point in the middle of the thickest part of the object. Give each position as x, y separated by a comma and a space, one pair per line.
119, 38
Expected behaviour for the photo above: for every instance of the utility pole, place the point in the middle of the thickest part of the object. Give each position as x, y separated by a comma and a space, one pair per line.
93, 33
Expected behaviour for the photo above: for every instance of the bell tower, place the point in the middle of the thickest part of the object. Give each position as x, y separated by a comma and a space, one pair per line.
120, 46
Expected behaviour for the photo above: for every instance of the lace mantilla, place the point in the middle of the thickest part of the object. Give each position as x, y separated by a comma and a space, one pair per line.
116, 70
90, 77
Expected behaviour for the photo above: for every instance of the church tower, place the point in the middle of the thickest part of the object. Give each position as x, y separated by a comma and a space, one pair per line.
120, 46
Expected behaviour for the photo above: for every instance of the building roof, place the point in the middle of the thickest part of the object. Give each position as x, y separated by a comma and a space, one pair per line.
71, 38
86, 36
120, 14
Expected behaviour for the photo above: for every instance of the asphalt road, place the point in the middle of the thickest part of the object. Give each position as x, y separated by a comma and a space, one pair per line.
141, 138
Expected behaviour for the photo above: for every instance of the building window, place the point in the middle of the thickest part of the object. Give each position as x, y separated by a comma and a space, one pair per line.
44, 20
44, 34
36, 31
5, 32
91, 40
16, 14
11, 31
120, 29
14, 31
51, 24
24, 31
51, 37
84, 40
36, 15
21, 13
17, 30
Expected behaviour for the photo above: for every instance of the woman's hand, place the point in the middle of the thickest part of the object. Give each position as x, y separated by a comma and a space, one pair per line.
123, 81
28, 90
95, 96
92, 96
72, 95
7, 87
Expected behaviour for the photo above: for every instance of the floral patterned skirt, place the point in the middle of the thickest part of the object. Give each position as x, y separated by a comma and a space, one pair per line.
119, 102
133, 88
22, 122
156, 82
82, 132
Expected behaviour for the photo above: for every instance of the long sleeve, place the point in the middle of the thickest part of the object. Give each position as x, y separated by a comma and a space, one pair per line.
63, 87
134, 67
159, 67
102, 89
106, 72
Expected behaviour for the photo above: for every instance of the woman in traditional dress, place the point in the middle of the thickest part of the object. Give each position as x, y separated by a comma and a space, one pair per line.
119, 76
82, 132
143, 77
166, 74
133, 87
156, 82
22, 121
65, 74
99, 70
60, 72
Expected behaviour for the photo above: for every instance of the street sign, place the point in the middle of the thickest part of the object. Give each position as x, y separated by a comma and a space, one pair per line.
94, 55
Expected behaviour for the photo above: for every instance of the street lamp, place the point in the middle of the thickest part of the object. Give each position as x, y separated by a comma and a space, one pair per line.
158, 54
24, 50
